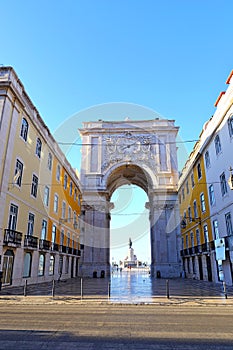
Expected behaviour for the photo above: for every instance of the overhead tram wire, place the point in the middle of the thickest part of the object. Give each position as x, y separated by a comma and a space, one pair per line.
104, 144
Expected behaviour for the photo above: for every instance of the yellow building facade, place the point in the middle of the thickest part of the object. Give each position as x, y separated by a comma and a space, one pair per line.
197, 244
39, 215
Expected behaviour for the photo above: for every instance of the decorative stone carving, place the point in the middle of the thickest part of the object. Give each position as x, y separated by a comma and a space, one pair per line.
139, 149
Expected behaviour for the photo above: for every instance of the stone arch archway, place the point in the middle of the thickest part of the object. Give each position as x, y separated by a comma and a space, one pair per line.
142, 153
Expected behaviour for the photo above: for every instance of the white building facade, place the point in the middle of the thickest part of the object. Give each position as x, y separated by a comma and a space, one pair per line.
217, 151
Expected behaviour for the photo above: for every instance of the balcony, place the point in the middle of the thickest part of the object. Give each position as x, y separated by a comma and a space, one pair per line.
55, 247
12, 237
44, 245
30, 241
62, 248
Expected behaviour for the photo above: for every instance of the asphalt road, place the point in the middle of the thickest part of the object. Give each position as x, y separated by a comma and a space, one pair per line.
108, 326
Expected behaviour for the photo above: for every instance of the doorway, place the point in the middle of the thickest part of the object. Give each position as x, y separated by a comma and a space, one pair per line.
8, 262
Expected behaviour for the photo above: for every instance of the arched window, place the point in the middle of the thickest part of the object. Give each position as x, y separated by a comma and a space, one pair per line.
51, 265
41, 265
27, 265
24, 129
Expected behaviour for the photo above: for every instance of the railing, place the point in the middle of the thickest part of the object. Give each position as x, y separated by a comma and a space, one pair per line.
62, 248
13, 237
202, 248
55, 247
44, 245
30, 241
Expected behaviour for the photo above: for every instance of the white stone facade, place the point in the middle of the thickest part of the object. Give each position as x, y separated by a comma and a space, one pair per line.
142, 153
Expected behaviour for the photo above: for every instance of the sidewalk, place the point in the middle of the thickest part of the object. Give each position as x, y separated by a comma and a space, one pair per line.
124, 288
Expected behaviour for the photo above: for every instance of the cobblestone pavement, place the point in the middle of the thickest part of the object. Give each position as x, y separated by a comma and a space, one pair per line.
124, 287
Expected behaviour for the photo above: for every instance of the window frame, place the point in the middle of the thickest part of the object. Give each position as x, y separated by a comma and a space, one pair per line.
217, 143
24, 129
38, 147
34, 187
202, 202
223, 184
211, 194
228, 222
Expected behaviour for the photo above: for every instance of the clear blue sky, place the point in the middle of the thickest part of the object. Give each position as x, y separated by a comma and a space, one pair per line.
171, 56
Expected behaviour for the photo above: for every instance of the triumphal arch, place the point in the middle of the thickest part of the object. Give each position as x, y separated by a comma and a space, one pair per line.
142, 153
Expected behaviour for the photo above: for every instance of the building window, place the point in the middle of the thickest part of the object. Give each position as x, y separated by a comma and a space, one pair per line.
69, 214
44, 229
206, 235
46, 196
27, 265
38, 147
12, 222
207, 159
41, 265
30, 224
230, 125
62, 237
215, 229
183, 193
195, 209
202, 198
65, 182
229, 224
192, 239
75, 194
50, 161
217, 143
182, 243
18, 173
199, 174
189, 214
192, 180
34, 185
68, 239
63, 213
55, 204
211, 194
187, 241
71, 188
198, 239
223, 184
51, 265
54, 234
187, 187
24, 129
58, 173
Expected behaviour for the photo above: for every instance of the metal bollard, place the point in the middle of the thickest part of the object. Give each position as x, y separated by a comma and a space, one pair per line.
53, 288
81, 288
167, 288
224, 289
25, 288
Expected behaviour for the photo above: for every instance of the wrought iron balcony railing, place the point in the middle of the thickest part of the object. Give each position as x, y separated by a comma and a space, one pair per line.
12, 237
44, 244
30, 241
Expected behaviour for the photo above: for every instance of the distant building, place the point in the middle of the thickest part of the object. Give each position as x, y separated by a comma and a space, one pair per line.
40, 194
